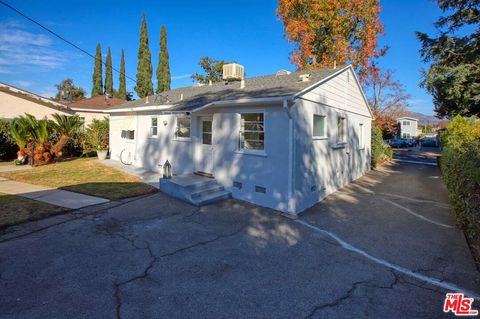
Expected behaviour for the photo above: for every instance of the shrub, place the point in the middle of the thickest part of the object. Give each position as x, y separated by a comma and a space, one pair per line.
387, 152
460, 165
8, 148
74, 146
377, 146
97, 136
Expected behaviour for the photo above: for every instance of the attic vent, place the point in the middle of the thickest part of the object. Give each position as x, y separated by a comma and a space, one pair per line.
283, 72
304, 77
233, 72
237, 185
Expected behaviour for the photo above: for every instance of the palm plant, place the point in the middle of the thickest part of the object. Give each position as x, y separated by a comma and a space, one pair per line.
65, 126
19, 134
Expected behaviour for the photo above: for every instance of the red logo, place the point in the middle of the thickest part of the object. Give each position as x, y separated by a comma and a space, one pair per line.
459, 305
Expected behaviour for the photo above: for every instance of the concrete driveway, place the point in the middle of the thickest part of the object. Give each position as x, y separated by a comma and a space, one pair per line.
384, 247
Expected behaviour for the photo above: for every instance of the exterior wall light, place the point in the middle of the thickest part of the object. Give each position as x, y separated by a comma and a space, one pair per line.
167, 170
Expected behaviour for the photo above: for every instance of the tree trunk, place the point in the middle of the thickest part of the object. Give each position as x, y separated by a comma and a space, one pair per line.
57, 148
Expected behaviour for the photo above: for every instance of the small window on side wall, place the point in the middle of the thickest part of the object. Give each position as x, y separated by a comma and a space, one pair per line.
154, 126
361, 136
341, 130
319, 126
183, 127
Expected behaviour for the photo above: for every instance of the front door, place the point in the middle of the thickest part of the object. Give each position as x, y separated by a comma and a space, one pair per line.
205, 147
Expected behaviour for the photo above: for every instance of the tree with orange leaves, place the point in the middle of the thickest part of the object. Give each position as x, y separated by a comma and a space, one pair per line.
388, 100
333, 31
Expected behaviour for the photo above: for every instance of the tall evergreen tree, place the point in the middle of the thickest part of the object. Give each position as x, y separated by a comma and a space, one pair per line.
97, 88
163, 68
144, 85
108, 74
122, 89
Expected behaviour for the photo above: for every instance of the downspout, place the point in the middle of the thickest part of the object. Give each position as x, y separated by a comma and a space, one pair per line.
136, 137
290, 208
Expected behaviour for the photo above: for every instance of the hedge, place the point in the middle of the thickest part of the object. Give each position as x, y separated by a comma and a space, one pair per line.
8, 148
460, 166
377, 146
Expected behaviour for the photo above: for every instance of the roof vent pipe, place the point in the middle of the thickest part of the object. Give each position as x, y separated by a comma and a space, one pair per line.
210, 82
146, 99
242, 84
181, 97
334, 64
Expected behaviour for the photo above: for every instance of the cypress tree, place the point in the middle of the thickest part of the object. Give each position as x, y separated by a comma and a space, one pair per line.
108, 74
122, 89
163, 68
144, 85
97, 88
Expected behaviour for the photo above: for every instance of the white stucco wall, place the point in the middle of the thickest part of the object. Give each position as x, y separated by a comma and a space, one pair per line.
322, 165
316, 168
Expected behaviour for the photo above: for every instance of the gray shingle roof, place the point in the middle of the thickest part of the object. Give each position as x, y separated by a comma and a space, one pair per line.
257, 87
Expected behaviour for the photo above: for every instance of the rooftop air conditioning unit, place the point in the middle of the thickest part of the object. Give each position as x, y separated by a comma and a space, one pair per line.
233, 72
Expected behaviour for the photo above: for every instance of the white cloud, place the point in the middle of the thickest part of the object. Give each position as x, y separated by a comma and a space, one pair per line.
22, 83
180, 77
19, 48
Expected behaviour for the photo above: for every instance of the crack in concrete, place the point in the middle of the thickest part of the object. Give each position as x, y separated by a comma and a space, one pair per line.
154, 259
337, 301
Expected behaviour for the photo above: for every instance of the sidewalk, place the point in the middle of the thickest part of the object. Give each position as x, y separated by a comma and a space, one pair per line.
49, 195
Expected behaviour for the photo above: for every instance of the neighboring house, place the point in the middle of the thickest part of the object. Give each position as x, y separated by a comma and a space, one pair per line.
15, 102
282, 141
408, 127
94, 107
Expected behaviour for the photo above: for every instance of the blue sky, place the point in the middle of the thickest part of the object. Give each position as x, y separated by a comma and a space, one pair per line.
246, 31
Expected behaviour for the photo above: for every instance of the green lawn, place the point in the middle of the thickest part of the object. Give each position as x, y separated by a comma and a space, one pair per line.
85, 176
15, 209
6, 163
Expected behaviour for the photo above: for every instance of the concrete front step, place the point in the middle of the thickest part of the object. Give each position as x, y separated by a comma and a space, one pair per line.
210, 198
194, 189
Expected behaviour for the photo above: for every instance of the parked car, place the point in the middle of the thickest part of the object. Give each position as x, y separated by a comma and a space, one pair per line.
429, 142
399, 143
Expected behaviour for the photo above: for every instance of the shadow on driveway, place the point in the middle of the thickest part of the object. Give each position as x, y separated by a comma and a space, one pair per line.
159, 257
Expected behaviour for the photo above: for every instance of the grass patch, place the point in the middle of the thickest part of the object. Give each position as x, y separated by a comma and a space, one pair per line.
6, 163
16, 209
85, 176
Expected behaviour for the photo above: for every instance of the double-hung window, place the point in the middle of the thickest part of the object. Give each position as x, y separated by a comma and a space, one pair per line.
252, 134
183, 127
154, 126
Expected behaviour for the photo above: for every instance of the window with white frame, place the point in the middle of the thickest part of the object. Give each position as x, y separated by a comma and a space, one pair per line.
341, 130
252, 134
154, 126
361, 136
406, 123
319, 126
183, 127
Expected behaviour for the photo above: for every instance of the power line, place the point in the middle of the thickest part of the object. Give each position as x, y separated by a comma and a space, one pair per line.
62, 38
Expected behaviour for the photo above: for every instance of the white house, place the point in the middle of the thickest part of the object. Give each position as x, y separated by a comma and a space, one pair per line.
283, 141
408, 127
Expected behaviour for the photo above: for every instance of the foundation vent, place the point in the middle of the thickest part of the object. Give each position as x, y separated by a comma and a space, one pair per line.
260, 189
237, 185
